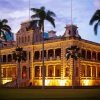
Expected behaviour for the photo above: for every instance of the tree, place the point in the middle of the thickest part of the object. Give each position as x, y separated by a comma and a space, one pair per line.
43, 15
3, 29
73, 52
95, 19
19, 55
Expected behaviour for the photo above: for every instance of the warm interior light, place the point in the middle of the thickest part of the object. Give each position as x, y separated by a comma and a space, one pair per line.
6, 80
47, 82
86, 82
62, 82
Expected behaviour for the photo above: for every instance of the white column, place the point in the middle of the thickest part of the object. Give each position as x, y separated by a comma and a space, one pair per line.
54, 71
47, 71
54, 54
96, 71
40, 71
85, 71
91, 71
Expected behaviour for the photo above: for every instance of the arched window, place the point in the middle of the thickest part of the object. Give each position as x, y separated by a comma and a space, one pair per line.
50, 71
50, 53
9, 58
24, 72
88, 71
36, 55
57, 70
37, 71
22, 39
58, 53
25, 39
66, 71
19, 40
28, 38
93, 71
93, 55
83, 71
4, 58
98, 56
89, 54
83, 52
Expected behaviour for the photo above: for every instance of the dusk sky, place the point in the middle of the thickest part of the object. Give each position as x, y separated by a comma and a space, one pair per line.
17, 11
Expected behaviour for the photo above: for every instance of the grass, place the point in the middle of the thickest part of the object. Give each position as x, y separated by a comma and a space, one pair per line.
49, 94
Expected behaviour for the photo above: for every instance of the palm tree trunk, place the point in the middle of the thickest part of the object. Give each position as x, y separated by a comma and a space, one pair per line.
43, 70
0, 70
18, 75
73, 75
0, 65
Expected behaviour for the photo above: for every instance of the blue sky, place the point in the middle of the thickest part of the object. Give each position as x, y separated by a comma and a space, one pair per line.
17, 11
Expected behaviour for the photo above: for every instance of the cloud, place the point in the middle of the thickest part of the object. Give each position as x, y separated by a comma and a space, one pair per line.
16, 11
97, 4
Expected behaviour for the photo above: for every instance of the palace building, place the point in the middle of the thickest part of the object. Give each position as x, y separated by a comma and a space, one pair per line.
58, 70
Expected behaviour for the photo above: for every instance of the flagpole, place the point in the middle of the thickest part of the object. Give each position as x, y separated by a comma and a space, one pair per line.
71, 13
29, 10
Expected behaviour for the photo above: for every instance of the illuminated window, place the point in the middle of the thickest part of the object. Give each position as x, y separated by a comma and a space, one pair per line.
37, 71
50, 71
93, 71
14, 72
83, 71
57, 71
4, 72
66, 71
9, 72
98, 71
24, 72
88, 71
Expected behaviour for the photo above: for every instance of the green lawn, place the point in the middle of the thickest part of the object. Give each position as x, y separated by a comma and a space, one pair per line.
49, 94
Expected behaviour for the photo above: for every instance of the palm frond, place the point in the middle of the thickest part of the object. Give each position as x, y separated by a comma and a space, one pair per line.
95, 17
95, 28
51, 20
4, 36
50, 13
42, 14
35, 10
35, 16
68, 55
42, 8
4, 21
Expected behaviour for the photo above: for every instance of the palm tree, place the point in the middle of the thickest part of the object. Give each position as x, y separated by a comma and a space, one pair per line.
73, 52
95, 18
43, 15
19, 55
3, 29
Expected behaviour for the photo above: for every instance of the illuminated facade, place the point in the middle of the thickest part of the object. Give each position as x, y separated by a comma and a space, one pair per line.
58, 71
